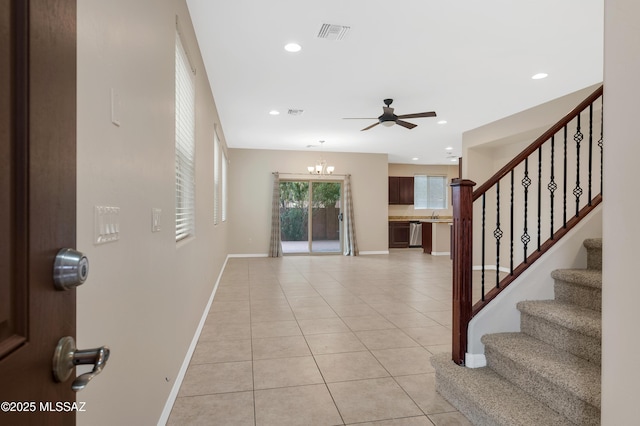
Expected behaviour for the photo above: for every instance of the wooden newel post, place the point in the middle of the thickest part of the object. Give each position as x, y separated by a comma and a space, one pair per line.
462, 190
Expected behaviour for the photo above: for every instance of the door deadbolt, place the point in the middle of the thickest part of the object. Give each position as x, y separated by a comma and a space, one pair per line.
66, 356
70, 269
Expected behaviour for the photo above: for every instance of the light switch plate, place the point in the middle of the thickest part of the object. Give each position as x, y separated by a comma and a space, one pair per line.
155, 219
107, 224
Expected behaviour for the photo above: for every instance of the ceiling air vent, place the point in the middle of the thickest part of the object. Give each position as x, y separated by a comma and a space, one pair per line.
295, 111
333, 32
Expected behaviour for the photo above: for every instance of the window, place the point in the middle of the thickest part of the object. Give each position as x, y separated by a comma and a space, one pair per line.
219, 181
216, 178
185, 143
429, 192
223, 170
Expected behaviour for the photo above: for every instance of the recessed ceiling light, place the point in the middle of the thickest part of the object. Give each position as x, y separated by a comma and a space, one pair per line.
540, 76
274, 112
449, 148
442, 122
292, 47
453, 160
415, 158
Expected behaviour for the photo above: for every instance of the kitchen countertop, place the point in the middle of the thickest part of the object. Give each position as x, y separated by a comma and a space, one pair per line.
428, 219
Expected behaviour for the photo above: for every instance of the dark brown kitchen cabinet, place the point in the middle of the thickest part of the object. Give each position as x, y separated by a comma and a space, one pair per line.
400, 189
394, 190
398, 234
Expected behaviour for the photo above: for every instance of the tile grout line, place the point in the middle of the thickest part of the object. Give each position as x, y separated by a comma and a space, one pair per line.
314, 358
290, 298
253, 376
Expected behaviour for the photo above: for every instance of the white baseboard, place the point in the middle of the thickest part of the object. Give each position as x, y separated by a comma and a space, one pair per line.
168, 406
440, 253
475, 360
491, 268
362, 253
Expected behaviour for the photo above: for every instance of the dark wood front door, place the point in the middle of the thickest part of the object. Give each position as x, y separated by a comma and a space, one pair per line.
37, 204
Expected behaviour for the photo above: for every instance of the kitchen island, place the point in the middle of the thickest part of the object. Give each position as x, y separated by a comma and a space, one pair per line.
436, 236
436, 233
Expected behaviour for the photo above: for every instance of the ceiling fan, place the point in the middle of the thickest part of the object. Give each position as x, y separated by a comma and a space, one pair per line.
388, 118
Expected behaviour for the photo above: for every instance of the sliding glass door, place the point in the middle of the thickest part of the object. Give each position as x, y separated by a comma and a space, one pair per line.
325, 222
310, 217
294, 216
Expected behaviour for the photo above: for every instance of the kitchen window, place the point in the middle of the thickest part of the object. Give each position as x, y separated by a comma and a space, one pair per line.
429, 192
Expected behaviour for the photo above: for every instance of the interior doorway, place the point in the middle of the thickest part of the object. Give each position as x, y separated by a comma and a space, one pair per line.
311, 217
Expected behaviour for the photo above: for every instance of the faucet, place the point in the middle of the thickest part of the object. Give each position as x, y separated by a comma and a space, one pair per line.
434, 215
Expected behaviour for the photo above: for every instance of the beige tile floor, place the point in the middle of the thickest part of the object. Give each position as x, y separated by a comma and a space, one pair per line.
323, 340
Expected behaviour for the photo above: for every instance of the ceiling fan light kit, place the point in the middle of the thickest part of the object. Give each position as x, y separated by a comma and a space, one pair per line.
388, 118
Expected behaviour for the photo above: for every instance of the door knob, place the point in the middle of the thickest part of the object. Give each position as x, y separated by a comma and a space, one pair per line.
66, 356
70, 269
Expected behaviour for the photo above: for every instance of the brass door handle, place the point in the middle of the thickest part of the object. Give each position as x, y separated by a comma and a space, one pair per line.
66, 356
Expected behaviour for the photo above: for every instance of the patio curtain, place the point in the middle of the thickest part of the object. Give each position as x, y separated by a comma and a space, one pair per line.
275, 246
350, 243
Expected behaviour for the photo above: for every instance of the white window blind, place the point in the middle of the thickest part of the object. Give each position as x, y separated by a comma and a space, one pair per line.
429, 192
185, 144
216, 179
223, 171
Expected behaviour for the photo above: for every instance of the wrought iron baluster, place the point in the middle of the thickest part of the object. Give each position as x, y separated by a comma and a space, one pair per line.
577, 191
600, 141
526, 182
590, 150
539, 195
497, 234
552, 184
564, 182
484, 210
511, 227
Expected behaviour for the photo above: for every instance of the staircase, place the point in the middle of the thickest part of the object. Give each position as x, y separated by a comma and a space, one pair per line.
547, 374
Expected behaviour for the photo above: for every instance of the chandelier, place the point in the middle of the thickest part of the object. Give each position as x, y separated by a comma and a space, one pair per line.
321, 167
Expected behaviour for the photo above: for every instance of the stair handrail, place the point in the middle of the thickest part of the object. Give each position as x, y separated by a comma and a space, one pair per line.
463, 198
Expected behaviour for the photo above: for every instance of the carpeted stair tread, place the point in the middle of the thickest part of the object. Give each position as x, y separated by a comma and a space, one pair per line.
593, 243
586, 277
569, 372
573, 317
594, 253
489, 399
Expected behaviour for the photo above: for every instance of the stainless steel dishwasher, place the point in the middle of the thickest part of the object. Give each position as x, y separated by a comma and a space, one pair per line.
415, 233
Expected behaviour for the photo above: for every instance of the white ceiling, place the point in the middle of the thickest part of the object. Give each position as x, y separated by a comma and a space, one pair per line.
470, 61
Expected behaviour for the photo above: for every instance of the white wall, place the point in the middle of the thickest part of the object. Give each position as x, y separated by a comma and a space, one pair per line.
145, 293
251, 184
621, 229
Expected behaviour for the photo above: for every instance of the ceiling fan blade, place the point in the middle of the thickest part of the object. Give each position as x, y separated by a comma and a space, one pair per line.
373, 125
405, 124
419, 115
